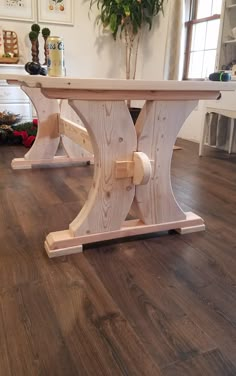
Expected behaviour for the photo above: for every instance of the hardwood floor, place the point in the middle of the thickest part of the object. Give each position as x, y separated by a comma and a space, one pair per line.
161, 305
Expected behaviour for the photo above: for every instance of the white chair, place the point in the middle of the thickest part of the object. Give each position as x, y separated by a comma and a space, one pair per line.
207, 124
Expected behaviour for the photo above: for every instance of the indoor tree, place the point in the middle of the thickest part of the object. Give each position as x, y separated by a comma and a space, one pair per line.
126, 18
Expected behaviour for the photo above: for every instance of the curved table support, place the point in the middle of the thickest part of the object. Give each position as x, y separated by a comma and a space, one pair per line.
113, 137
157, 128
132, 165
44, 149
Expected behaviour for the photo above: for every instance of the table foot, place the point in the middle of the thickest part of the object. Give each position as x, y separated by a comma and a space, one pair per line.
63, 242
190, 229
63, 251
58, 161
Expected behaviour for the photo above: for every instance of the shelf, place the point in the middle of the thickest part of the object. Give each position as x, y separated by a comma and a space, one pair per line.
232, 41
231, 6
9, 60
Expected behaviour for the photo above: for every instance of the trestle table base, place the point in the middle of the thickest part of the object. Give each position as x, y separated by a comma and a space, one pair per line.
61, 243
131, 164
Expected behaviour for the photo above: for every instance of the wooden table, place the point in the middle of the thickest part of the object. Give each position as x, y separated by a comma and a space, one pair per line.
131, 164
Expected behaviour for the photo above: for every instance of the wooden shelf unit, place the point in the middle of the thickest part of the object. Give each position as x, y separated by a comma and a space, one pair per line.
218, 126
226, 50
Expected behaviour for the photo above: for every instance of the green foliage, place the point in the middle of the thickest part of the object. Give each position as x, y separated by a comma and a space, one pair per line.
8, 136
36, 28
127, 15
46, 32
27, 126
33, 35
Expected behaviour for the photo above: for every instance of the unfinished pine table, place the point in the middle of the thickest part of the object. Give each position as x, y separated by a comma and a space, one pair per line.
131, 164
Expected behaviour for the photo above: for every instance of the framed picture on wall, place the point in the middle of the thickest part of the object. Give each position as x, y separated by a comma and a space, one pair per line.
55, 11
18, 10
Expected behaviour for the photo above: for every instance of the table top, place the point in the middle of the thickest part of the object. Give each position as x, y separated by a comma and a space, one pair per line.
117, 84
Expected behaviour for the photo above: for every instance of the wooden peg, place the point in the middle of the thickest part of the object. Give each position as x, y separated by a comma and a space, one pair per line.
139, 169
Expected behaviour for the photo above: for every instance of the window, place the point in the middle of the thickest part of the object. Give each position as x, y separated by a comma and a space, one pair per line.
202, 29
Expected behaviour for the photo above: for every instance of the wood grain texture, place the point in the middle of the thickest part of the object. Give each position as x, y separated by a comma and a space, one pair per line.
43, 151
212, 363
139, 169
118, 84
124, 169
165, 326
62, 239
76, 133
142, 168
157, 128
117, 95
47, 138
57, 161
160, 305
113, 138
72, 149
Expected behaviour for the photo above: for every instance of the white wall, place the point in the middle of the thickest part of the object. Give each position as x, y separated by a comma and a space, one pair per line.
89, 53
192, 128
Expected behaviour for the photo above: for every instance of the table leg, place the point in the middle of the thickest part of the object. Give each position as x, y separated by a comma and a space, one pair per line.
113, 137
231, 133
43, 151
203, 133
145, 164
157, 129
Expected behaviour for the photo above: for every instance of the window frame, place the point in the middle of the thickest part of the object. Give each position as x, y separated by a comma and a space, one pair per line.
191, 7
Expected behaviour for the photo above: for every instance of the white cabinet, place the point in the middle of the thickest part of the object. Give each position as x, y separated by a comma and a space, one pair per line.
12, 98
227, 38
219, 125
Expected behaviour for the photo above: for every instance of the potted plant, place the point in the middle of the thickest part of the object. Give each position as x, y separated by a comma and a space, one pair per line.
45, 33
33, 36
127, 19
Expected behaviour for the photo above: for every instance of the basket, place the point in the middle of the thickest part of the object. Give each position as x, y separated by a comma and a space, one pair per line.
10, 46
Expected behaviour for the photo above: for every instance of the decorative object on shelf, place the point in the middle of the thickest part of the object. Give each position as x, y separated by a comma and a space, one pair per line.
9, 118
34, 51
55, 57
128, 18
13, 10
220, 76
11, 49
35, 68
23, 133
229, 66
33, 36
56, 11
234, 70
45, 33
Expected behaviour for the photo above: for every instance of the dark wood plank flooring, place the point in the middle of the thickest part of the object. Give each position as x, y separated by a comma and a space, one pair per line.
160, 305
